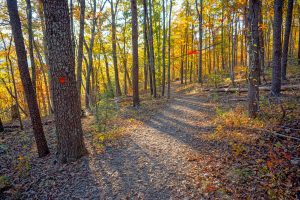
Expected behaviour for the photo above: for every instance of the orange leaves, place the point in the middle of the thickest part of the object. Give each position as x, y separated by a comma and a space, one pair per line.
262, 27
210, 188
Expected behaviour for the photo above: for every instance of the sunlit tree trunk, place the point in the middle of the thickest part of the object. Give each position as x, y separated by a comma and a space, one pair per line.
146, 44
30, 41
164, 50
151, 48
169, 51
42, 66
114, 47
37, 126
45, 49
80, 47
10, 69
109, 84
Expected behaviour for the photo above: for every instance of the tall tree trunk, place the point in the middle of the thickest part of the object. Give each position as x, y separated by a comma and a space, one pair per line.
45, 49
110, 87
164, 51
169, 51
181, 64
288, 23
72, 26
67, 111
42, 66
135, 55
145, 67
80, 48
222, 37
261, 45
146, 43
276, 63
37, 126
114, 48
30, 40
151, 48
200, 18
253, 92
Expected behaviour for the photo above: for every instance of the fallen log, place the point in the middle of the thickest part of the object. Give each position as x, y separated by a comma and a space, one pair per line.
261, 88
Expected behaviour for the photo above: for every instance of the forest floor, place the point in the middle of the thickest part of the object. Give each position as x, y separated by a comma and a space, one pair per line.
197, 145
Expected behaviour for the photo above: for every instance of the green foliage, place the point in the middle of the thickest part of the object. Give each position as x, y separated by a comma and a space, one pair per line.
241, 174
4, 182
105, 109
23, 166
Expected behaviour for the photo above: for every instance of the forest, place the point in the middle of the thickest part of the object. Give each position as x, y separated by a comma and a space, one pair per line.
149, 99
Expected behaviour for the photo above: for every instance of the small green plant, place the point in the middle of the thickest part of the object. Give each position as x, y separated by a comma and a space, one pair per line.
105, 109
214, 97
4, 182
23, 166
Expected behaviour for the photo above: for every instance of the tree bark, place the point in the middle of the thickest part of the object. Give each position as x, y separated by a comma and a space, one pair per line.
30, 40
261, 45
151, 48
135, 55
253, 92
42, 66
146, 43
169, 51
114, 47
200, 39
89, 93
276, 63
163, 83
109, 84
80, 48
41, 142
67, 111
288, 23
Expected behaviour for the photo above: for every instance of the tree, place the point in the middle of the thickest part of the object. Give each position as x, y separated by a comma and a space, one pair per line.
253, 92
88, 90
276, 63
30, 40
164, 50
200, 40
135, 55
151, 49
146, 44
261, 44
288, 24
80, 47
169, 51
36, 121
10, 69
114, 45
67, 112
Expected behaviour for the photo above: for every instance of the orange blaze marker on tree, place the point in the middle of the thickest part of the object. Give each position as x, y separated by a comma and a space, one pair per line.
192, 52
62, 80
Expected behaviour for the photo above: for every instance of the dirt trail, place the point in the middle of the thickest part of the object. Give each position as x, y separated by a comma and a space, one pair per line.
161, 159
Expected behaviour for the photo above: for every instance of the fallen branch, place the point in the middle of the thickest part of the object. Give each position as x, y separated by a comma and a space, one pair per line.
275, 133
